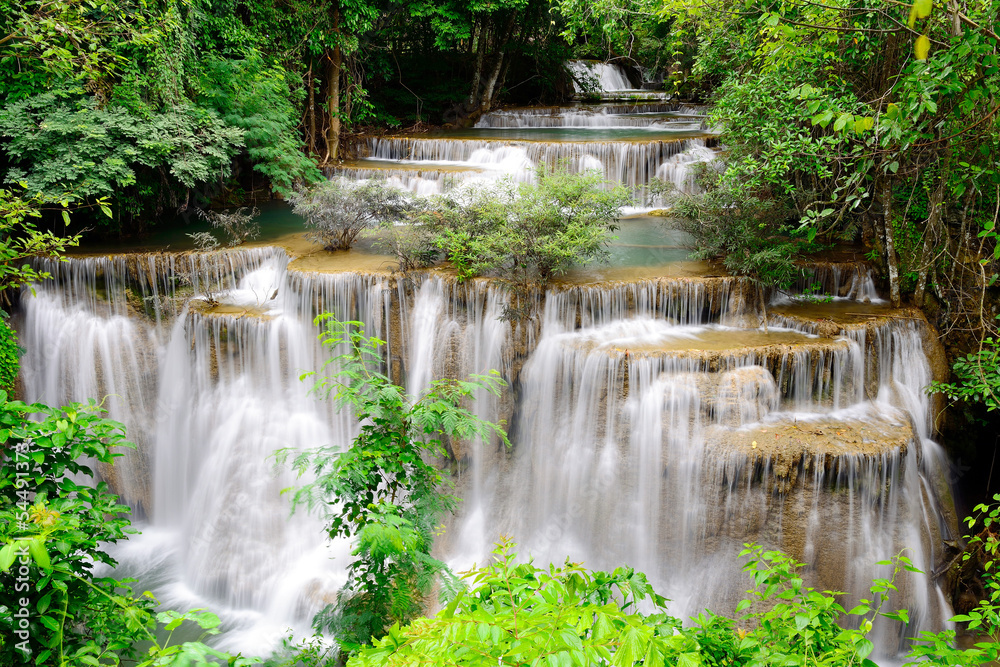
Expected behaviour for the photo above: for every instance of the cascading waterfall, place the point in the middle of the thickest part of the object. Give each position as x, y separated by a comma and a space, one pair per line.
632, 163
658, 117
591, 75
669, 445
838, 282
655, 421
679, 169
653, 424
628, 143
552, 116
209, 389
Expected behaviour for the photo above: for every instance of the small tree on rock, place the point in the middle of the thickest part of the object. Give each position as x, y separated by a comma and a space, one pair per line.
339, 210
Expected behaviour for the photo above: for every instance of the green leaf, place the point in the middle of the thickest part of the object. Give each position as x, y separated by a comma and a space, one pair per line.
36, 547
50, 623
7, 557
689, 660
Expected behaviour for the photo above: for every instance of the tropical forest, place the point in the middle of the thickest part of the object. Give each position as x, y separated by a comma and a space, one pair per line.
499, 333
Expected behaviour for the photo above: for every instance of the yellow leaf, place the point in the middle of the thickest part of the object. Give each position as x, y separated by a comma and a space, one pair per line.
921, 47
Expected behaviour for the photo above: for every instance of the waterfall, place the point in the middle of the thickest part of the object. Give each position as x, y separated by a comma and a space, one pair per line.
652, 424
591, 75
852, 281
654, 421
631, 163
657, 117
209, 389
638, 442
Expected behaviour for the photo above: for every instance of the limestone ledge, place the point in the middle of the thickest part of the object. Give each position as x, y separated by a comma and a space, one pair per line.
788, 444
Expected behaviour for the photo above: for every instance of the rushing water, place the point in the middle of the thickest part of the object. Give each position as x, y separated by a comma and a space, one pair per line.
654, 420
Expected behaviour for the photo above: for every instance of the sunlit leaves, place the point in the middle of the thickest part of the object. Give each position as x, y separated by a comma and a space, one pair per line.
516, 613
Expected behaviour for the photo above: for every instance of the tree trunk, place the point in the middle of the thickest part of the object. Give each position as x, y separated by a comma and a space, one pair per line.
930, 232
763, 306
478, 73
312, 110
472, 38
890, 246
955, 8
487, 100
333, 67
491, 83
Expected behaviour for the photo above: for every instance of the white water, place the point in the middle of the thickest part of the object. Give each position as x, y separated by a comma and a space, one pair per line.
208, 399
602, 116
590, 76
632, 163
631, 401
629, 409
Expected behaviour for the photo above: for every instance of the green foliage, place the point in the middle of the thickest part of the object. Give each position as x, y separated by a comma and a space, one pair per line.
519, 614
20, 238
610, 27
63, 141
800, 625
257, 98
63, 525
982, 547
977, 377
54, 528
823, 108
747, 232
527, 232
339, 210
10, 357
68, 40
414, 245
384, 490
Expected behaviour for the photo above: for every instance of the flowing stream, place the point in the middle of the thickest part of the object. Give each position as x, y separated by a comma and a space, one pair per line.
655, 420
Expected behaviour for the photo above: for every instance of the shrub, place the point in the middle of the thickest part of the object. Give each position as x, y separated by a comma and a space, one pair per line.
339, 210
519, 614
746, 231
528, 232
238, 226
413, 245
977, 375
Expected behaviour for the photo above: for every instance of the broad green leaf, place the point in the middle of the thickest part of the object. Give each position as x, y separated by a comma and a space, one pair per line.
36, 547
7, 557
